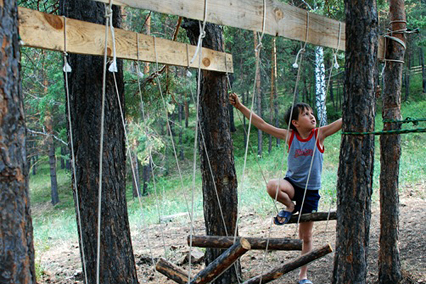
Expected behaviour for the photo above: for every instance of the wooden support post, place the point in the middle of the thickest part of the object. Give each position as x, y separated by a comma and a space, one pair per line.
222, 263
319, 216
171, 271
255, 243
298, 262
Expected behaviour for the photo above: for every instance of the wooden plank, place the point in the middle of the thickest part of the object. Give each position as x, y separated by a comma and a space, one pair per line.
46, 31
281, 19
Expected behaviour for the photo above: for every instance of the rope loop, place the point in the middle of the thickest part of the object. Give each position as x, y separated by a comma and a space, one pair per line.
108, 12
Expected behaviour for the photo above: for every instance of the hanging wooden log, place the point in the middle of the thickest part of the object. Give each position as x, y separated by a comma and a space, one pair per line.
222, 263
171, 271
318, 216
255, 243
298, 262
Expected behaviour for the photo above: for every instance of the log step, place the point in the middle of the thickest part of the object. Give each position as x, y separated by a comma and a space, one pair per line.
255, 243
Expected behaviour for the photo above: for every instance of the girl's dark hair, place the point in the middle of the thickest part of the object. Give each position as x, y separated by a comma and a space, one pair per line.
297, 108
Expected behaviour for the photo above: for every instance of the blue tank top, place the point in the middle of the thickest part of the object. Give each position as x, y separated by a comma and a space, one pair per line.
299, 159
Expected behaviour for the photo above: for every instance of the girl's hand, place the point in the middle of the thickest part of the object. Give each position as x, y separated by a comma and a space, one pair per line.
234, 100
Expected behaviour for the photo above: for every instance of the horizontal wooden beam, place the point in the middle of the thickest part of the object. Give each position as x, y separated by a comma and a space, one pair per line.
46, 31
281, 19
255, 243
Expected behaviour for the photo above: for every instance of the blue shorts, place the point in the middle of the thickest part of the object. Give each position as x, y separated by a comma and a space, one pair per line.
311, 199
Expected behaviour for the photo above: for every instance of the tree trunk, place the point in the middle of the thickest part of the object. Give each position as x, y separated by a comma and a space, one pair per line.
390, 152
422, 63
117, 263
63, 153
258, 96
146, 177
52, 159
53, 179
181, 149
16, 230
187, 112
407, 76
272, 98
214, 121
320, 94
354, 186
245, 100
136, 185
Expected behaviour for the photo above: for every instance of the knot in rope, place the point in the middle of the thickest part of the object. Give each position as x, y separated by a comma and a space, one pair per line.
258, 47
108, 12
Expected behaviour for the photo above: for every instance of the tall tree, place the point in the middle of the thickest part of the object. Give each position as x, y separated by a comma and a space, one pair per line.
16, 231
320, 94
390, 150
258, 95
214, 123
355, 174
52, 159
117, 263
422, 63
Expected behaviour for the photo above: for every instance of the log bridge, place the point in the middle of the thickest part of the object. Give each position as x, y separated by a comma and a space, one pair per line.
226, 259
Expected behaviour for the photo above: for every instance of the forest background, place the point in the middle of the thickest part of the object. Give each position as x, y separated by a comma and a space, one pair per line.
163, 192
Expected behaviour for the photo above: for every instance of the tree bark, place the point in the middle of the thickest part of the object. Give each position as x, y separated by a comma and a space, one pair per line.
390, 151
214, 122
16, 230
355, 174
117, 263
320, 94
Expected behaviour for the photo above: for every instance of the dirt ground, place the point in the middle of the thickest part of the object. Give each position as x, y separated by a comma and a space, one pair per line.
62, 263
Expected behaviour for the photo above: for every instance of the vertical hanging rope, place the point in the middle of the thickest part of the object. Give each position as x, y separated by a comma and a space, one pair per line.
146, 131
108, 15
198, 51
67, 69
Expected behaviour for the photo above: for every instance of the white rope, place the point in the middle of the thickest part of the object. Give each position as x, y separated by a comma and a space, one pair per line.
170, 131
101, 148
146, 132
67, 69
198, 51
